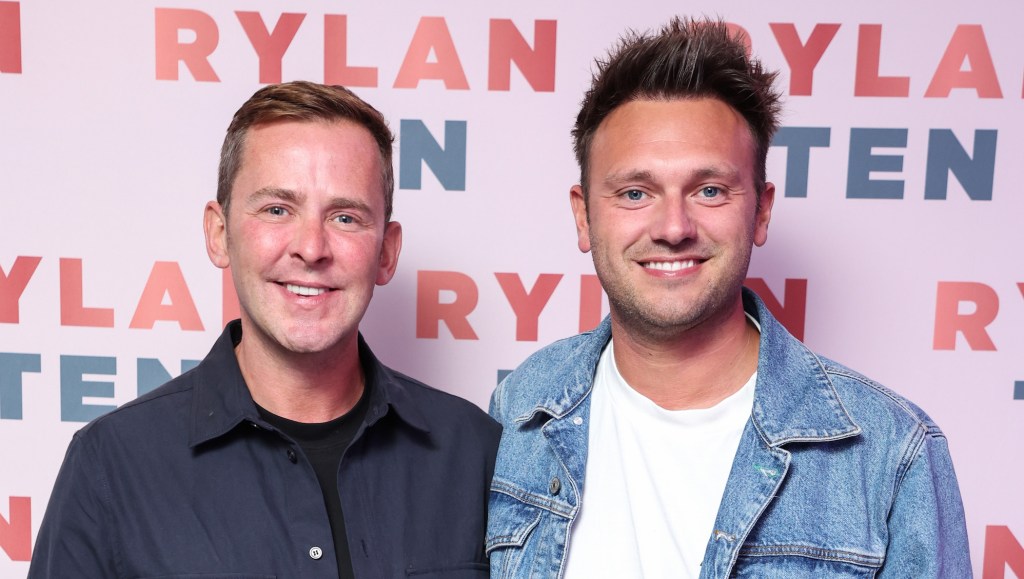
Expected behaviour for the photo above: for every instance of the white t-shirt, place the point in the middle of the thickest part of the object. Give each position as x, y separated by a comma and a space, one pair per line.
654, 480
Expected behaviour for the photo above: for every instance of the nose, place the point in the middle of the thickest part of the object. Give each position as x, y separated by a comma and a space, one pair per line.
310, 242
673, 221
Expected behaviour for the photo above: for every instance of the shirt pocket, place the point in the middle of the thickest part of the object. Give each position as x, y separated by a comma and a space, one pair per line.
456, 571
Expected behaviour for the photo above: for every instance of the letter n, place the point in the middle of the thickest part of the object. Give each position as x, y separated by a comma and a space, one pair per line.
16, 530
1001, 550
537, 64
792, 315
418, 146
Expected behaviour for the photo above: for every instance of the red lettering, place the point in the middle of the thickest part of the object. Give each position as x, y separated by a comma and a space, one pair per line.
230, 310
10, 37
803, 58
166, 279
12, 285
968, 43
430, 312
868, 81
336, 68
72, 310
794, 314
528, 305
16, 530
1001, 549
170, 51
590, 302
537, 64
949, 320
270, 46
738, 32
432, 36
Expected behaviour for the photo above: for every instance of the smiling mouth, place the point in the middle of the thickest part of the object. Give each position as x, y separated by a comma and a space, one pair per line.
305, 291
669, 265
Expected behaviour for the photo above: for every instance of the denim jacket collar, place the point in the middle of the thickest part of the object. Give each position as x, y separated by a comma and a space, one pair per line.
794, 399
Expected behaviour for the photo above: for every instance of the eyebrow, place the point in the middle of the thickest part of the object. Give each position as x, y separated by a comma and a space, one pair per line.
645, 176
291, 196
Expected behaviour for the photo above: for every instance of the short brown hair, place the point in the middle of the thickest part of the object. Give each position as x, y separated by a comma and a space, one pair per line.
686, 59
303, 101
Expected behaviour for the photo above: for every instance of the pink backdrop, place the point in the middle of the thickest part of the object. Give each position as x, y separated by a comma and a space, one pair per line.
894, 248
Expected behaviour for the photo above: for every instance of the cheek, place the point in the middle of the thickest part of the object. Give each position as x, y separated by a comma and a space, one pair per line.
358, 252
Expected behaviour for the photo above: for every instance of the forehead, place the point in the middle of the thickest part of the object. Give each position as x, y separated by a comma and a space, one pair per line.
306, 156
338, 139
700, 130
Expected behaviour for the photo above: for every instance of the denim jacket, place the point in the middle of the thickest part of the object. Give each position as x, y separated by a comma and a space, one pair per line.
835, 476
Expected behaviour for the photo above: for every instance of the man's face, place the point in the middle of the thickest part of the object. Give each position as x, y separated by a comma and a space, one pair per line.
306, 238
673, 212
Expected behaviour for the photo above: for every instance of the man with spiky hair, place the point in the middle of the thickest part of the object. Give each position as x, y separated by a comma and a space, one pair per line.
689, 434
290, 450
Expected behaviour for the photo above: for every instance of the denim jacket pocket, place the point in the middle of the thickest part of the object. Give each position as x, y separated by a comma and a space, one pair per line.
510, 521
801, 561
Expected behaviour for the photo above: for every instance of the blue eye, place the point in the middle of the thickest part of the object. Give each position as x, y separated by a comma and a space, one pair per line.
345, 219
634, 195
710, 192
277, 211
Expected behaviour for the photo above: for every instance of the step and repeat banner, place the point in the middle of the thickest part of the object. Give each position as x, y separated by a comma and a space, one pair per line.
895, 245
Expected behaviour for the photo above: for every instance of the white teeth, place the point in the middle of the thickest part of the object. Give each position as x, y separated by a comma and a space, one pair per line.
304, 291
670, 265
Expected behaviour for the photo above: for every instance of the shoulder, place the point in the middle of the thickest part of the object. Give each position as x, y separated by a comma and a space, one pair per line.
873, 405
154, 411
556, 378
443, 411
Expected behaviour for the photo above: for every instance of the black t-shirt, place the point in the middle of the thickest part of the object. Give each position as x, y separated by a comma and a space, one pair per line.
324, 443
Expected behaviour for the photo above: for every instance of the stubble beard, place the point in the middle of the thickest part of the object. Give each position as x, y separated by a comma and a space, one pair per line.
650, 319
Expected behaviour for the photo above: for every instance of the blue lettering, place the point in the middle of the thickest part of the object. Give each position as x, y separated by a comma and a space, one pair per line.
12, 366
859, 184
418, 146
151, 373
73, 388
945, 154
798, 141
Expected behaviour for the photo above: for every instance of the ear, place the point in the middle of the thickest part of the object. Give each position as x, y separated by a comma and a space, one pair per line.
578, 202
764, 214
389, 250
216, 230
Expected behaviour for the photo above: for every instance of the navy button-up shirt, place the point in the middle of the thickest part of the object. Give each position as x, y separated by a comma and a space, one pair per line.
188, 480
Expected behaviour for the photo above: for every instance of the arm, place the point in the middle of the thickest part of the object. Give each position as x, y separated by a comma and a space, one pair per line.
927, 531
75, 536
496, 407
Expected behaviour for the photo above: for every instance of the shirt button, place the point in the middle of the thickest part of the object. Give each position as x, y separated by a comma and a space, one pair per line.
577, 421
315, 553
555, 486
294, 459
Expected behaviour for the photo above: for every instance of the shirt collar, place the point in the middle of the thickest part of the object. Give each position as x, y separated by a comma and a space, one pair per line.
221, 400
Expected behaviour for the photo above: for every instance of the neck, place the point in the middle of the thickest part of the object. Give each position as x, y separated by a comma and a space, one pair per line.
315, 387
697, 368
